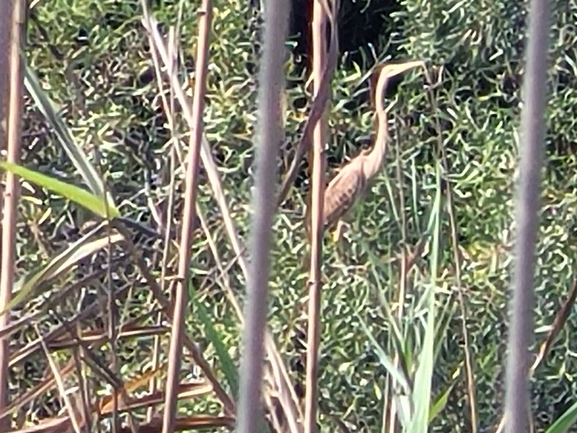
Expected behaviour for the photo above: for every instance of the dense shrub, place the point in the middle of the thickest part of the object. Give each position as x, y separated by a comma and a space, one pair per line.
93, 60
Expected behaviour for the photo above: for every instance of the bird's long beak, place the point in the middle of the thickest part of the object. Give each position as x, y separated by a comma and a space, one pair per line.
393, 69
390, 70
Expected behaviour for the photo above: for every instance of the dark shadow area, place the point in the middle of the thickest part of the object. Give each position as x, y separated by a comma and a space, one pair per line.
361, 24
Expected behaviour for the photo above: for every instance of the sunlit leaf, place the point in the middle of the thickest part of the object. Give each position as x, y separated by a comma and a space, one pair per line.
565, 421
71, 192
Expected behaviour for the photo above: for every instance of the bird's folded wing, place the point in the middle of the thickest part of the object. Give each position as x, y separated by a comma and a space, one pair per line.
341, 193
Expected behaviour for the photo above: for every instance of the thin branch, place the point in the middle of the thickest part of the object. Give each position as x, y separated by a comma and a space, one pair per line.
469, 361
320, 13
16, 15
189, 216
278, 370
318, 107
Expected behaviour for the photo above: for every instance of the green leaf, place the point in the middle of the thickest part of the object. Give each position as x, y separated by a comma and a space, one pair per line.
565, 421
82, 248
422, 389
71, 192
65, 138
386, 362
439, 404
228, 367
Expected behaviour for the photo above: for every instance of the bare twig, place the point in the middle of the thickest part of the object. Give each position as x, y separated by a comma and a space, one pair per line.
193, 162
318, 107
278, 370
224, 282
517, 396
558, 323
320, 13
166, 304
169, 108
14, 17
70, 403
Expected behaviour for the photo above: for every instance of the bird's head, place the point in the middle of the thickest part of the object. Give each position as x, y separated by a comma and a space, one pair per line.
383, 74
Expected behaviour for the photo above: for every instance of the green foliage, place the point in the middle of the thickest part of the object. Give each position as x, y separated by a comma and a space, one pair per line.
564, 423
80, 196
101, 98
57, 267
224, 359
481, 46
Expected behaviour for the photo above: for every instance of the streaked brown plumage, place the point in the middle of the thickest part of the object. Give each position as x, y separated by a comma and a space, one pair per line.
352, 180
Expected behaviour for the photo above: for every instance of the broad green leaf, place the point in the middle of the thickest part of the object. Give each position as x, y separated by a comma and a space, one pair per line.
71, 192
565, 421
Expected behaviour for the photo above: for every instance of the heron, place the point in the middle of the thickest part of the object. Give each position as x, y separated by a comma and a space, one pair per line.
352, 180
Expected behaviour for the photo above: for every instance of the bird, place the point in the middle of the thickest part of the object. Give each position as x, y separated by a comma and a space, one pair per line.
351, 181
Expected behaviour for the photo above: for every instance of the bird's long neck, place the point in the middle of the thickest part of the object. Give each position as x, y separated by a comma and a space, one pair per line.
377, 153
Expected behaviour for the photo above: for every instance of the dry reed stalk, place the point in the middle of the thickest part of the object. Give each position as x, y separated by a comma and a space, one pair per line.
320, 13
169, 108
277, 370
269, 134
193, 162
14, 16
318, 107
517, 392
469, 359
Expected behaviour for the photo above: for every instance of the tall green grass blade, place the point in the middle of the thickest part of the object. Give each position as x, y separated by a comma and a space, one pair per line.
565, 421
71, 192
386, 362
422, 385
79, 250
397, 335
224, 358
65, 138
443, 323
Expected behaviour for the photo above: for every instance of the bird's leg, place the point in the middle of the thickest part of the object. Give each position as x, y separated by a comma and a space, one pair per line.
338, 233
339, 239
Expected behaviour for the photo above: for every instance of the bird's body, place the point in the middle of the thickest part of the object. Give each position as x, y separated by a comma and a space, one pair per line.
345, 189
352, 180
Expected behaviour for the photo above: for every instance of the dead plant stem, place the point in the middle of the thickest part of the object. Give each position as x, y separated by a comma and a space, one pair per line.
317, 199
15, 15
193, 162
